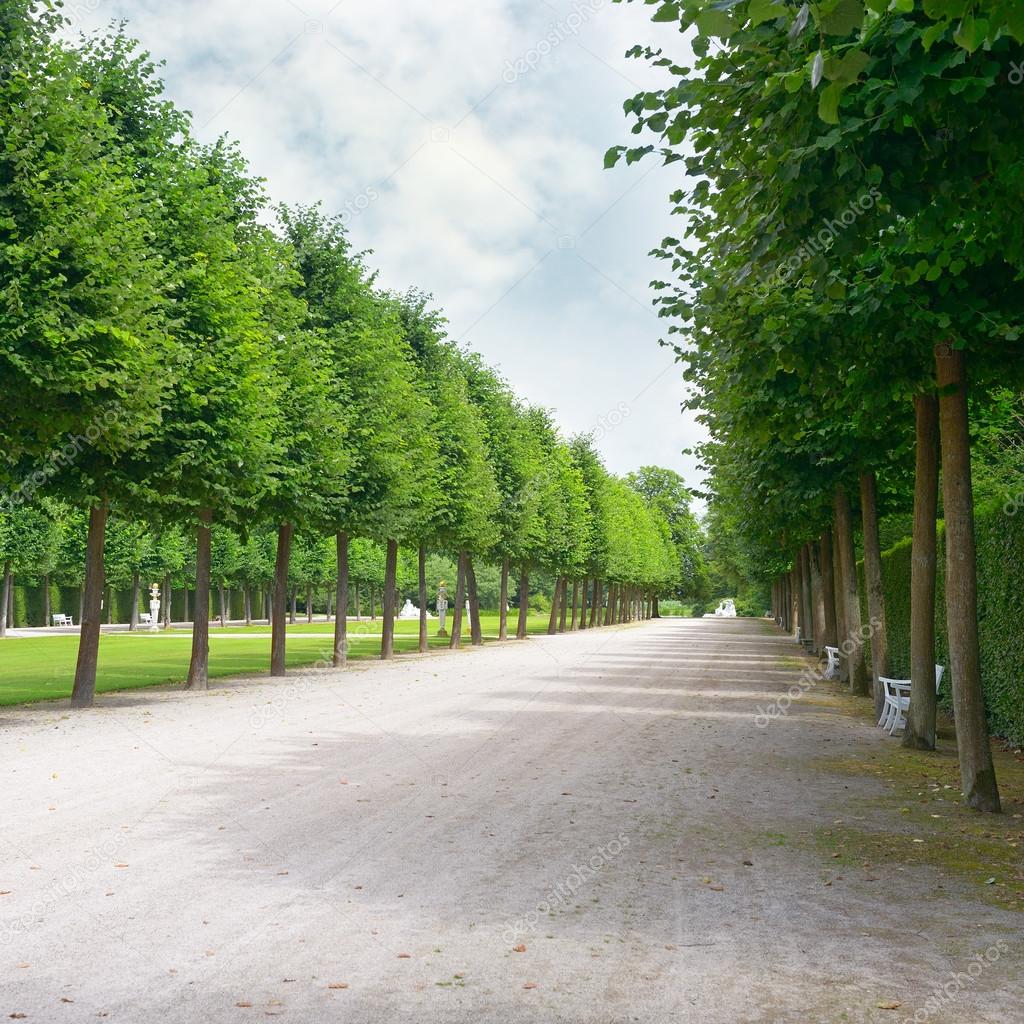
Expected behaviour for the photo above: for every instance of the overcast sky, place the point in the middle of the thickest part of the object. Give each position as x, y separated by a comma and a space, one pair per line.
466, 147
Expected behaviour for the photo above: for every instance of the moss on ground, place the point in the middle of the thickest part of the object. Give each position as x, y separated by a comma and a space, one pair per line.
929, 823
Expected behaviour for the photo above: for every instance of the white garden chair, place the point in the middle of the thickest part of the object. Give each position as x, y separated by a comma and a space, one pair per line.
62, 620
832, 668
897, 700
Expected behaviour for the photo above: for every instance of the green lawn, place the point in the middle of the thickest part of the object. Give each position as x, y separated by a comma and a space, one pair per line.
43, 668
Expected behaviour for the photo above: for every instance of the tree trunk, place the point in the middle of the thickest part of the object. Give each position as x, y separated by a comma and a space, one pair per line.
46, 599
503, 602
575, 605
837, 580
293, 605
817, 596
422, 560
595, 605
340, 656
475, 629
109, 604
168, 594
387, 632
563, 609
279, 601
89, 636
199, 666
828, 588
919, 733
807, 596
524, 601
188, 615
5, 598
977, 773
133, 613
455, 640
359, 615
873, 585
853, 644
655, 610
222, 605
373, 603
553, 617
583, 601
247, 602
309, 604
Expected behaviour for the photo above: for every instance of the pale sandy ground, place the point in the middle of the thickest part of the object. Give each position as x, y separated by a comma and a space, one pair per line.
393, 829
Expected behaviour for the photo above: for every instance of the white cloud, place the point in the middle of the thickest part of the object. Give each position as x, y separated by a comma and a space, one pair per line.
491, 193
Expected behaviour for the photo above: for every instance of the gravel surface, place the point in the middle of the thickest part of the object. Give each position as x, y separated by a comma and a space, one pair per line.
586, 828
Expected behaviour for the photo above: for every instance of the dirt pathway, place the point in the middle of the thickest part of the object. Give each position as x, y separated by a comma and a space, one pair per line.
583, 828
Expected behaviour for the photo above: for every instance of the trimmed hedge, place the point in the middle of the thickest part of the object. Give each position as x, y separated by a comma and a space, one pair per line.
1000, 539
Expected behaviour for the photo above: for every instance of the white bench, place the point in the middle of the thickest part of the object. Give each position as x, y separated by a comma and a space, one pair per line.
62, 620
897, 700
832, 668
145, 619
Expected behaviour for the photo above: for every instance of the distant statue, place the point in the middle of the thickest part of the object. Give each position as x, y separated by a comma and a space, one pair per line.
442, 607
409, 611
727, 609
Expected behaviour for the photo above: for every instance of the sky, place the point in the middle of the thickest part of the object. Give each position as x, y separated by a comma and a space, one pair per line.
463, 143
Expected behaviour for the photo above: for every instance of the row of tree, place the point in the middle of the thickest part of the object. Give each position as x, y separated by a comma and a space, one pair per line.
180, 354
853, 247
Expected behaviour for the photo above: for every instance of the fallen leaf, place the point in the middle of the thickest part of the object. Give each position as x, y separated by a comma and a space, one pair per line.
530, 984
717, 888
338, 984
244, 1005
120, 865
891, 1005
405, 956
748, 863
519, 949
19, 1016
64, 999
5, 892
23, 966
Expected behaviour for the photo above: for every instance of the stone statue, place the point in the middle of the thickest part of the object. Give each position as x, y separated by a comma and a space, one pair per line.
442, 608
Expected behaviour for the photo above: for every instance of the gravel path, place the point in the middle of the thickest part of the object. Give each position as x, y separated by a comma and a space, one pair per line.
586, 828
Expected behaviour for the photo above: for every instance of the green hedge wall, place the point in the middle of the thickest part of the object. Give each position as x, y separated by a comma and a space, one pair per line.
1000, 539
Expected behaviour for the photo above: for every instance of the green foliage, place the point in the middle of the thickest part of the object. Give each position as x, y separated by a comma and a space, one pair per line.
1000, 539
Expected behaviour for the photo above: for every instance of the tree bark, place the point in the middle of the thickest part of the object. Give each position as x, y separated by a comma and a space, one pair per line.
133, 614
188, 614
503, 602
595, 605
293, 605
563, 609
828, 589
5, 598
199, 666
837, 580
575, 605
89, 636
476, 633
168, 595
817, 596
222, 605
359, 615
977, 772
807, 599
873, 585
46, 599
387, 633
247, 602
553, 617
919, 733
524, 601
373, 603
279, 602
422, 566
340, 656
583, 601
309, 604
455, 640
853, 645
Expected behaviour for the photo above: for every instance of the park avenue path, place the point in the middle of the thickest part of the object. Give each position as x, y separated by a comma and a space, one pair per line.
586, 828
